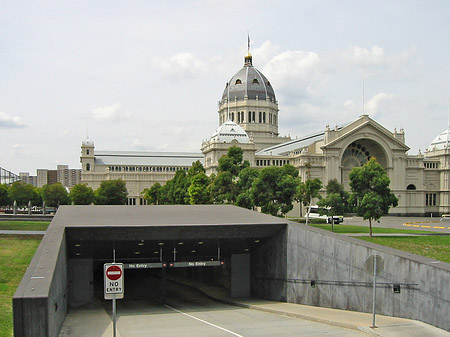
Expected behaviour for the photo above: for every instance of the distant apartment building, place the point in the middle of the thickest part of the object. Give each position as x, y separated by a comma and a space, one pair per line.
63, 174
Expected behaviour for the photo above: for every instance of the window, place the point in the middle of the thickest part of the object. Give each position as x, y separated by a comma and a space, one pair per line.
238, 81
232, 116
87, 152
249, 116
430, 199
411, 187
88, 167
254, 118
264, 117
260, 117
238, 117
255, 81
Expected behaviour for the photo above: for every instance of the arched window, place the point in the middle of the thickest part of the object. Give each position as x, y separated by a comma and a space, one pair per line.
232, 116
88, 167
238, 81
411, 187
255, 81
87, 152
260, 117
264, 117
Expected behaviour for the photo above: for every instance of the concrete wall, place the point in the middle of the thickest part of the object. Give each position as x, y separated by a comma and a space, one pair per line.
81, 282
336, 263
269, 268
240, 275
40, 301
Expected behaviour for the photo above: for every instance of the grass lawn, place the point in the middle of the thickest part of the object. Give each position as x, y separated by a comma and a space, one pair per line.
435, 247
25, 225
350, 229
15, 254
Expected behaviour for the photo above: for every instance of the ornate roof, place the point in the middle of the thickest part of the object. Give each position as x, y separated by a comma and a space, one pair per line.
229, 132
441, 141
248, 82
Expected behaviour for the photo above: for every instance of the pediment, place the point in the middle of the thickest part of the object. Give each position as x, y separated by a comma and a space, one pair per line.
366, 128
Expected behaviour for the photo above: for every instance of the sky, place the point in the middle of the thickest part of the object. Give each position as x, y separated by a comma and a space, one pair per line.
148, 75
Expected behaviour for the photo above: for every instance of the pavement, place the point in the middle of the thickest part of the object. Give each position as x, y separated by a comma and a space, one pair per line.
386, 326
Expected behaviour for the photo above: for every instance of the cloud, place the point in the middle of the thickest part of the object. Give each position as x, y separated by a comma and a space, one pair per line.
7, 121
182, 65
376, 60
109, 113
374, 105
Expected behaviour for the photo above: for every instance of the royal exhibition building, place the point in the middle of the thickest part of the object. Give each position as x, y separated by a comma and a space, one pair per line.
248, 117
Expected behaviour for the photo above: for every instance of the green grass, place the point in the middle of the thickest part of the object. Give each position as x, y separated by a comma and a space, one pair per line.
15, 254
434, 247
350, 229
25, 225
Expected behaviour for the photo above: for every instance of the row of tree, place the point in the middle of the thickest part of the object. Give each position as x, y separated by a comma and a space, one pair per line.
275, 189
110, 192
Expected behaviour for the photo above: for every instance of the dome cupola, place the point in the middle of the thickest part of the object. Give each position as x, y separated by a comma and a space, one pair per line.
441, 141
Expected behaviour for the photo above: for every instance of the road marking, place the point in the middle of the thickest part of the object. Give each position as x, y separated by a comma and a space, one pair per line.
198, 319
412, 224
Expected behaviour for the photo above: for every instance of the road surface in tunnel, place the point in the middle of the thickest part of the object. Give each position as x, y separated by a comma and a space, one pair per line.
188, 313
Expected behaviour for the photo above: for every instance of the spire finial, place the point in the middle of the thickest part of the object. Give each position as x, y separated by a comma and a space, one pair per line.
248, 57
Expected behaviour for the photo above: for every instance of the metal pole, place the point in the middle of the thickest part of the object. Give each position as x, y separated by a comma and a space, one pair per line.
114, 315
374, 287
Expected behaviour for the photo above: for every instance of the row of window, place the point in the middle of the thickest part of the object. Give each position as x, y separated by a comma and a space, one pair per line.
239, 117
273, 162
136, 201
431, 165
146, 168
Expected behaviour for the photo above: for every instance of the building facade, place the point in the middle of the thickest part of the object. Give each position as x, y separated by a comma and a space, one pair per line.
248, 117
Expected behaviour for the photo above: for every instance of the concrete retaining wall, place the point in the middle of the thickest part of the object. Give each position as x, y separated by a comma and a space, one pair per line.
336, 264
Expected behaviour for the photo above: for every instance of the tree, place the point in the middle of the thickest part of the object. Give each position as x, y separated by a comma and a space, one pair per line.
23, 193
198, 190
370, 189
274, 190
336, 200
4, 199
307, 191
55, 195
152, 194
111, 192
81, 194
246, 178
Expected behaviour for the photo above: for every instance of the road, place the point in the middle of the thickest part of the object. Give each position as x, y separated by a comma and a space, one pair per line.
188, 313
417, 223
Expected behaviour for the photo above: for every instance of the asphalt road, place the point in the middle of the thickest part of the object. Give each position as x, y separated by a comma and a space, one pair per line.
417, 223
190, 314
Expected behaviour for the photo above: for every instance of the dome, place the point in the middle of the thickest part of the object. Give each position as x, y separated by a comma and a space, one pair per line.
248, 82
229, 132
440, 142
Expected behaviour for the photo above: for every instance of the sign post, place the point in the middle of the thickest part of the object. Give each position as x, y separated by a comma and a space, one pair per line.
374, 265
113, 275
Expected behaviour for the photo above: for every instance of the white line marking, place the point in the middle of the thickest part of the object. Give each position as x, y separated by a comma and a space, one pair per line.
114, 273
198, 319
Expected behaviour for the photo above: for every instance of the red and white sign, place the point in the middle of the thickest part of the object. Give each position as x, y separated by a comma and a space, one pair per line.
113, 275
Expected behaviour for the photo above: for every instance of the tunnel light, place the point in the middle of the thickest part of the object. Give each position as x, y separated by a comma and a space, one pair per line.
161, 243
137, 253
256, 241
200, 242
181, 243
140, 243
193, 251
246, 249
78, 245
156, 252
77, 254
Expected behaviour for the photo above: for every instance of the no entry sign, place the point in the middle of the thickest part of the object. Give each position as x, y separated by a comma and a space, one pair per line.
113, 275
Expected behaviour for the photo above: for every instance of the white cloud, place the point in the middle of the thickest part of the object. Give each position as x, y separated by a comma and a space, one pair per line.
7, 121
376, 103
366, 57
181, 65
108, 113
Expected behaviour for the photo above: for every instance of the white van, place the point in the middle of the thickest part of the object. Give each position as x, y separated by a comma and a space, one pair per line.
315, 214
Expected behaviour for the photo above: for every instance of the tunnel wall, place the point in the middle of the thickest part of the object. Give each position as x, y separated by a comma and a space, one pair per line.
323, 256
81, 282
269, 268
